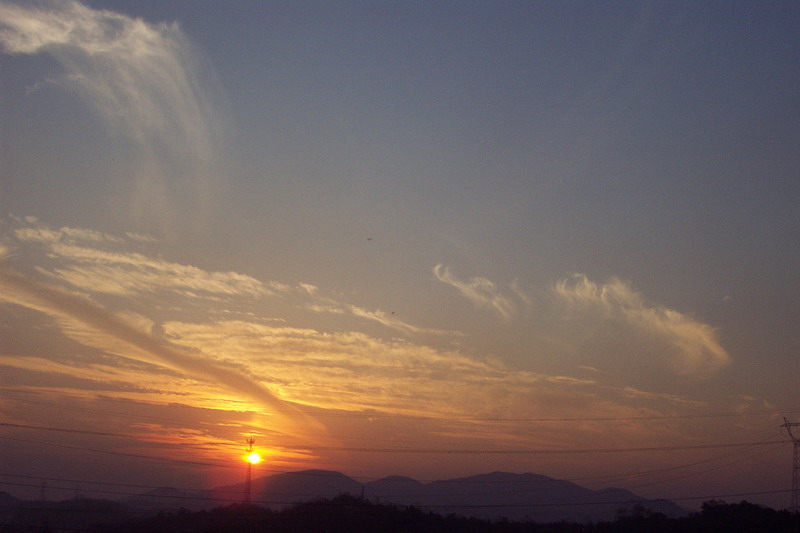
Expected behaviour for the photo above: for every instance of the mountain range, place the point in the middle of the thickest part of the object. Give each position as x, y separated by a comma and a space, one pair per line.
492, 496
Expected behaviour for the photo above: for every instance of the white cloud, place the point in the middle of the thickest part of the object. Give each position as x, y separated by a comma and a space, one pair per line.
144, 80
481, 291
327, 305
42, 234
124, 67
131, 273
391, 321
86, 259
309, 288
138, 237
696, 349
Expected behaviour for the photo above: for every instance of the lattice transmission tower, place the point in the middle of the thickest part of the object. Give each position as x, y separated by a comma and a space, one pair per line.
795, 464
247, 482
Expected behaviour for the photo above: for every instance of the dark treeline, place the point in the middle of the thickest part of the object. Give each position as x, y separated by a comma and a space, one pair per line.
347, 514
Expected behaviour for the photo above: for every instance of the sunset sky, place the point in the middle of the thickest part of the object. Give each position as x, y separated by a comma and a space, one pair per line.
431, 239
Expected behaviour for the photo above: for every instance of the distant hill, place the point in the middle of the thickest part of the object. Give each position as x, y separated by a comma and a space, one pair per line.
77, 514
172, 498
281, 490
490, 496
8, 505
513, 496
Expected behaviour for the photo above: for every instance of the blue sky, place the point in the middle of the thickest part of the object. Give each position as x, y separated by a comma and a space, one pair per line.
406, 224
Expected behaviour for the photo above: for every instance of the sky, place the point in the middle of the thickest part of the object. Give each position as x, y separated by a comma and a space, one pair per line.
431, 239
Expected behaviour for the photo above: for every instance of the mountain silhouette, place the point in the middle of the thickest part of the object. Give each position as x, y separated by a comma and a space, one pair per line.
513, 496
490, 496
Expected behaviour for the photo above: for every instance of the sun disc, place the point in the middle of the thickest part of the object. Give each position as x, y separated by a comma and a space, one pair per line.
254, 458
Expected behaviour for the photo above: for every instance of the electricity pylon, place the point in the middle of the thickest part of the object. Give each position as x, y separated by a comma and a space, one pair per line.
250, 442
795, 464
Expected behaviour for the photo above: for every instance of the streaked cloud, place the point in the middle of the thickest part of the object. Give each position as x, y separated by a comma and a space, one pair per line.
91, 261
131, 273
241, 357
39, 233
632, 392
353, 371
387, 319
217, 363
144, 80
129, 336
482, 292
125, 68
696, 349
341, 371
100, 263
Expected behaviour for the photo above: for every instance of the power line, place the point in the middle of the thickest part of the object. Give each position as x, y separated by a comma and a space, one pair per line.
443, 451
125, 493
543, 451
690, 474
110, 452
753, 444
81, 481
542, 484
795, 463
431, 451
457, 505
543, 481
622, 418
321, 412
325, 474
68, 430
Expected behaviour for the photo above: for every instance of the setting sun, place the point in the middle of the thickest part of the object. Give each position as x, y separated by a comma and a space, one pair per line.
254, 458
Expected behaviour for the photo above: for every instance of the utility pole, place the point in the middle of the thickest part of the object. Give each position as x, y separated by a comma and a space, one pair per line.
795, 464
250, 443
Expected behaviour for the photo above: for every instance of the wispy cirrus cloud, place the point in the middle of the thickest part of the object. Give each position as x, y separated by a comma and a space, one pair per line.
483, 292
125, 68
88, 260
35, 232
353, 370
87, 322
696, 350
390, 321
465, 397
100, 263
144, 80
199, 359
132, 273
387, 319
